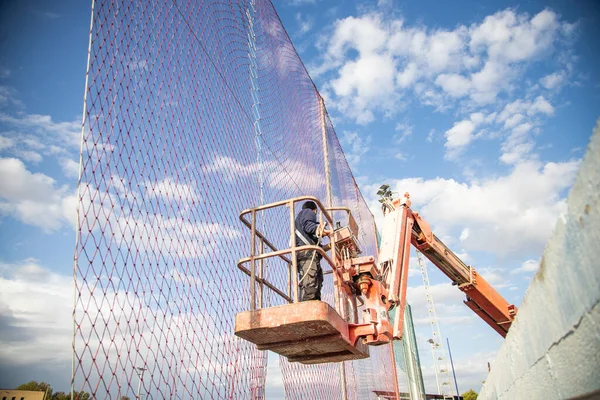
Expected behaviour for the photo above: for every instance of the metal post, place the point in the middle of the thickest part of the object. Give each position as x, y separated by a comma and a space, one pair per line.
395, 371
452, 364
325, 151
253, 262
140, 373
260, 274
294, 262
339, 304
289, 280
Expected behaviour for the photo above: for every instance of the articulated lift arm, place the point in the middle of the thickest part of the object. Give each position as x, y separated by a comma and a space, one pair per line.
482, 298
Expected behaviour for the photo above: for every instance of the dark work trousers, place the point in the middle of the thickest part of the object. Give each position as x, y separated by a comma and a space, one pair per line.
310, 279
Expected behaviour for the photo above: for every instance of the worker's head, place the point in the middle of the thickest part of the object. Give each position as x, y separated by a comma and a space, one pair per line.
310, 205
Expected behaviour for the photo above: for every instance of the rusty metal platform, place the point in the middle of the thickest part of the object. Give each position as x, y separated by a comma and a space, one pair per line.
309, 332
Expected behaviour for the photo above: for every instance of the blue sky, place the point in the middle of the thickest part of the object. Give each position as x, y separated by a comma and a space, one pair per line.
481, 110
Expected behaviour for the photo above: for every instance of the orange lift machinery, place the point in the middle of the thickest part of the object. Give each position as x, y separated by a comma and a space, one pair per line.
367, 288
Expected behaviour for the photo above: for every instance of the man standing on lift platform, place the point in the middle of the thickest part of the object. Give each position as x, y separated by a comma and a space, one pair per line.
309, 232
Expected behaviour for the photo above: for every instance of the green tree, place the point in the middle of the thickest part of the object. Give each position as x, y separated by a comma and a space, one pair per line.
45, 387
67, 396
82, 395
470, 395
37, 387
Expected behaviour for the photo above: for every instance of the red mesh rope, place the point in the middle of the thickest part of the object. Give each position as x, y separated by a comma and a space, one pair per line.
195, 110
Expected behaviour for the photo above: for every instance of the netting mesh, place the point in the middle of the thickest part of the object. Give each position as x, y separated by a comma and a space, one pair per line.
194, 111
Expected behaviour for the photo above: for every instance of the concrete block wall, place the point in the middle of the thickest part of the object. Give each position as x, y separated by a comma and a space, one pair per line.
552, 350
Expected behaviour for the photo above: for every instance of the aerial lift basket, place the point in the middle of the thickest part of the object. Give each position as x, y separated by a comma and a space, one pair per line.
310, 332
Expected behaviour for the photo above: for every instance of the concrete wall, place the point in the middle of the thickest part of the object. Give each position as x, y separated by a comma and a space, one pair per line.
552, 350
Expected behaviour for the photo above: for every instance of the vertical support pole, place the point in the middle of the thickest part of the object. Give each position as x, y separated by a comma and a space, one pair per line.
394, 370
253, 262
325, 150
79, 196
289, 280
294, 262
260, 274
255, 96
452, 364
340, 304
258, 382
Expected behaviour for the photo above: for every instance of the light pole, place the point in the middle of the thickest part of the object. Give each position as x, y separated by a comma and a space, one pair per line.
140, 373
452, 363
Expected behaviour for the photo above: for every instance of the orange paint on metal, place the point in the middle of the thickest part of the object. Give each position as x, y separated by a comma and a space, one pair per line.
499, 314
309, 332
399, 278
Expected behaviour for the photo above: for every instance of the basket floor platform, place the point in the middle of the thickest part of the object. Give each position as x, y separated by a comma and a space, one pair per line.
309, 332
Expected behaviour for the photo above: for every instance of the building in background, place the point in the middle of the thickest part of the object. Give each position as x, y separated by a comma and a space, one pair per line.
7, 394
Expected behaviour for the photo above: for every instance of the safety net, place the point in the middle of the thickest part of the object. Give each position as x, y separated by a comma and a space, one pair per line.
195, 111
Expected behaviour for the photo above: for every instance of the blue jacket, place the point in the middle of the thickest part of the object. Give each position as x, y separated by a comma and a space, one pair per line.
306, 223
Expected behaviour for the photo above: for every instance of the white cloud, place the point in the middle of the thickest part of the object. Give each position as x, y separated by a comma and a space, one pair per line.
408, 76
488, 82
454, 84
528, 266
376, 59
541, 106
504, 215
448, 300
513, 121
281, 175
38, 305
404, 130
30, 156
521, 117
305, 24
45, 131
516, 150
37, 321
7, 96
6, 142
359, 87
171, 235
356, 147
69, 167
170, 190
400, 156
522, 129
554, 80
431, 135
462, 134
301, 2
137, 65
510, 37
34, 198
37, 136
528, 107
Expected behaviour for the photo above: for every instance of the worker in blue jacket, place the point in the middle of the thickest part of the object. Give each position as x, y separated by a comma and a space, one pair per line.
309, 232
